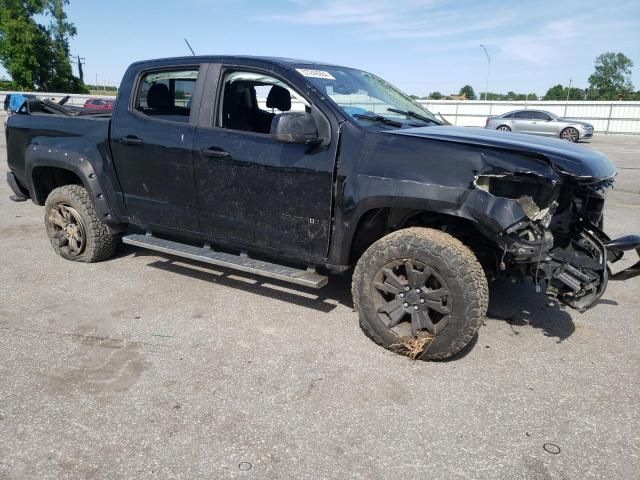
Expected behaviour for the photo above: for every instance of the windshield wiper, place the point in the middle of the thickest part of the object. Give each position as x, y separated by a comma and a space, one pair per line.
411, 114
378, 118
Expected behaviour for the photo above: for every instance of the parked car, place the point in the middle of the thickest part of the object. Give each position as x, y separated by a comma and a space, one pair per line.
99, 103
540, 122
359, 176
7, 102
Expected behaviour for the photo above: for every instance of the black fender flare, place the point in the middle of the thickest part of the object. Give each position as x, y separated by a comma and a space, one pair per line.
44, 156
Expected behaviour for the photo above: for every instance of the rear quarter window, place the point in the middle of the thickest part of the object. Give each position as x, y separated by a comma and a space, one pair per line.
166, 95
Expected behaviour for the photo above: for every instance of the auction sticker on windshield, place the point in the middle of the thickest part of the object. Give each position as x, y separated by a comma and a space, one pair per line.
315, 73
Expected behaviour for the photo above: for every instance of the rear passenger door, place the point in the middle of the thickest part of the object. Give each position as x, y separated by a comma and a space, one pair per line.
521, 122
152, 142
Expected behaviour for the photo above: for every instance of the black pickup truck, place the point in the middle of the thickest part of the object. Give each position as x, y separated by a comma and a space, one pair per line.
335, 169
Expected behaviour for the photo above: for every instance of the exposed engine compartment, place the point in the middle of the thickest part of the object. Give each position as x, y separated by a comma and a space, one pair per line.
560, 243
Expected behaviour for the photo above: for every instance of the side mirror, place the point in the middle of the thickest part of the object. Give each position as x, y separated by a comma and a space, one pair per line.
295, 127
549, 119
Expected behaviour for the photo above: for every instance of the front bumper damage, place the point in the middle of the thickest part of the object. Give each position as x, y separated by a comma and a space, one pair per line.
576, 272
621, 245
559, 246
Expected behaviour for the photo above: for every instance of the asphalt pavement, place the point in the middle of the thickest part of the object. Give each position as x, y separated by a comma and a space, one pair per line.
147, 366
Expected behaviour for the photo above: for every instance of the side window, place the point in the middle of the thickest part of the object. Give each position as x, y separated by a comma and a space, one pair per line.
250, 100
167, 94
509, 116
522, 115
539, 116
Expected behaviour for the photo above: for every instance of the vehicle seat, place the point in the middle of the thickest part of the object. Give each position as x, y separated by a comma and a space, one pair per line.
159, 99
279, 98
234, 114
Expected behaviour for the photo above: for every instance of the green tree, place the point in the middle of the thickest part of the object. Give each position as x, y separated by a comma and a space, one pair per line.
435, 95
526, 96
61, 30
612, 77
37, 56
554, 93
559, 92
24, 44
467, 90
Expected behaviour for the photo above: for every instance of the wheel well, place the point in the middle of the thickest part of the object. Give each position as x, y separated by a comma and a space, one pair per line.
377, 223
45, 179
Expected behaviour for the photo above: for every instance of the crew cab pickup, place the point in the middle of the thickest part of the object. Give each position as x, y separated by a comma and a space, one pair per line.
292, 170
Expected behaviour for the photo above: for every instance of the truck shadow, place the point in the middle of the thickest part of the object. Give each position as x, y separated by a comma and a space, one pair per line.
521, 307
336, 292
516, 304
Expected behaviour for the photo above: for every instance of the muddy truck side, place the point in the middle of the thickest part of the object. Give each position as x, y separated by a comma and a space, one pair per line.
295, 170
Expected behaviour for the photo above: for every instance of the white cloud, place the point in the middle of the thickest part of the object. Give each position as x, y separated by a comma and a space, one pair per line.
533, 34
542, 44
411, 19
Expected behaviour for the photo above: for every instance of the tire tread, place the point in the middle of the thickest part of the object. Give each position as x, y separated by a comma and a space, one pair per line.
453, 253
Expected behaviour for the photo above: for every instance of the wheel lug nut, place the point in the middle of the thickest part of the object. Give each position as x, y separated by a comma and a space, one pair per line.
407, 288
416, 307
405, 304
418, 290
402, 295
422, 300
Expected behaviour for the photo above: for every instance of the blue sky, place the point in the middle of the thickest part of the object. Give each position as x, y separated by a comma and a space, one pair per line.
420, 46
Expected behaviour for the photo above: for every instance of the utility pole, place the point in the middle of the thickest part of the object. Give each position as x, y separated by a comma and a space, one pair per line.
486, 88
80, 62
569, 89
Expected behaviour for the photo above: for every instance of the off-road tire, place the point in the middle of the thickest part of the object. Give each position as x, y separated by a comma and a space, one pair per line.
456, 265
99, 243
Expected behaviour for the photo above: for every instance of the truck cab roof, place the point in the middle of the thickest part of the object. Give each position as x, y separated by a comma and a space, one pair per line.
279, 61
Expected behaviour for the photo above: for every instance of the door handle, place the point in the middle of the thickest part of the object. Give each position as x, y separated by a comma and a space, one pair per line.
130, 140
214, 153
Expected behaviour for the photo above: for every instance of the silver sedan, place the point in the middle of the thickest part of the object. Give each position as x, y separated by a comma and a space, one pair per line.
540, 122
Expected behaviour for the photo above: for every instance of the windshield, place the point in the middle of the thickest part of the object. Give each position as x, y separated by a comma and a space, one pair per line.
363, 96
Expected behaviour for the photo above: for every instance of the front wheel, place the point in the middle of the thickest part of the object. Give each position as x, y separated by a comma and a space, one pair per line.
570, 134
75, 231
421, 293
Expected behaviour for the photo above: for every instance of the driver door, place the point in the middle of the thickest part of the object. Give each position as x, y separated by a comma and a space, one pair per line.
543, 124
251, 189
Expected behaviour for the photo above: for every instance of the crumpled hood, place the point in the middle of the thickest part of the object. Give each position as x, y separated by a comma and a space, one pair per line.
565, 157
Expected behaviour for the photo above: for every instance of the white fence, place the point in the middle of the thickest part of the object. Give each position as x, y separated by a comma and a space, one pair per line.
606, 117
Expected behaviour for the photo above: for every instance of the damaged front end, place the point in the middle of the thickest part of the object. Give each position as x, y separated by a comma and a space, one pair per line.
556, 237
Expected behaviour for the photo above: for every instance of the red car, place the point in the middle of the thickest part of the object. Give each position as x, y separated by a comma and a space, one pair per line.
99, 104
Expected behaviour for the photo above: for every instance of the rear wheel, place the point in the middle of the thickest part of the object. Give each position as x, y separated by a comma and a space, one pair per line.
421, 293
75, 231
503, 128
570, 134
